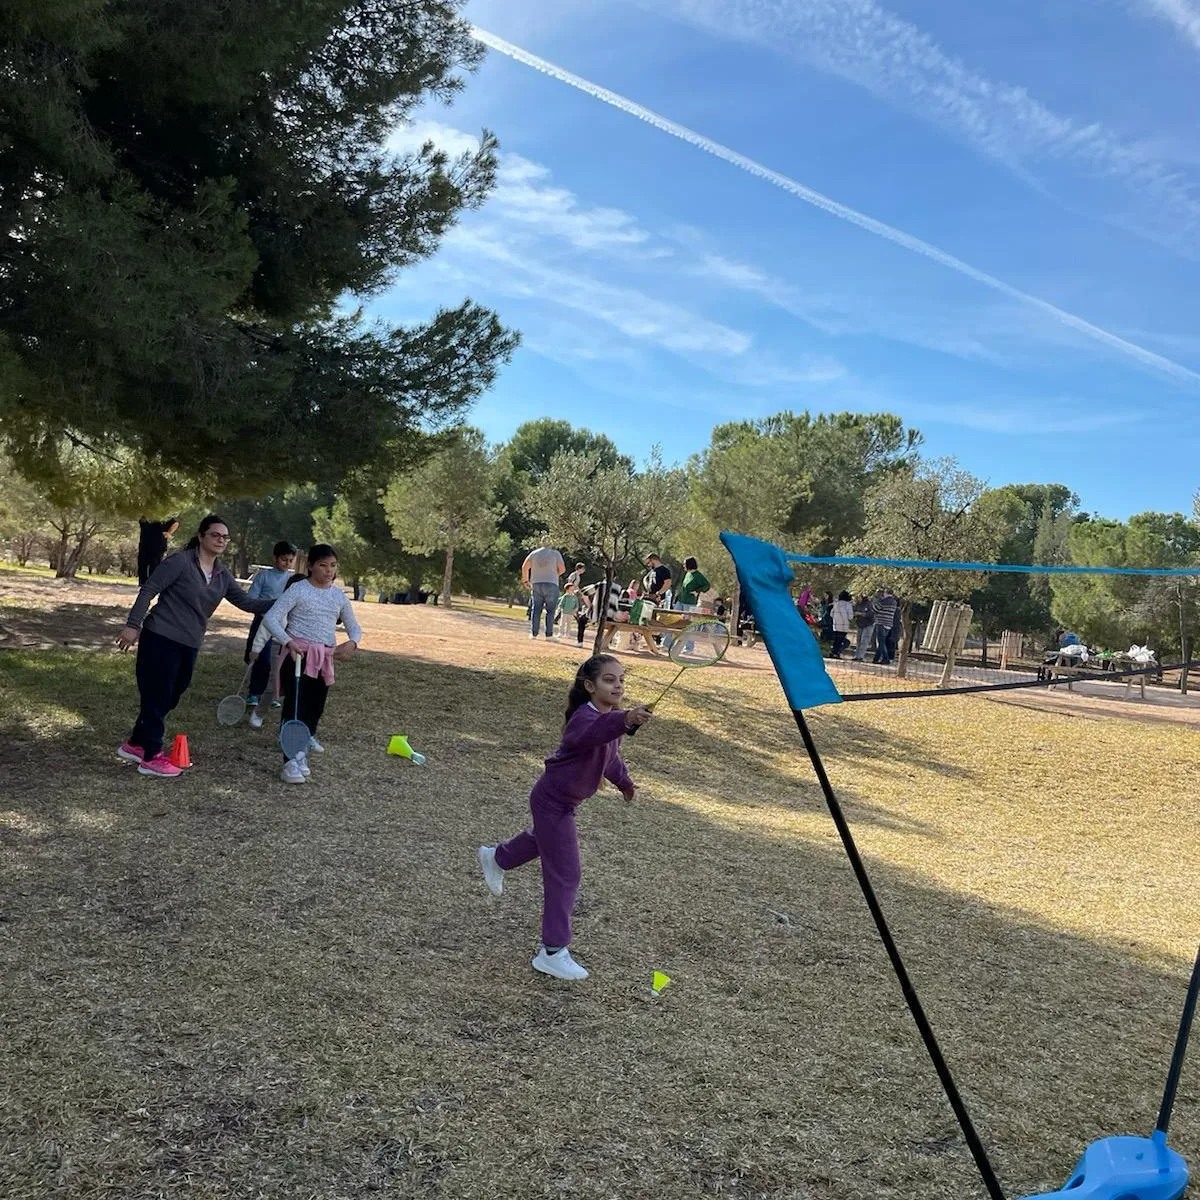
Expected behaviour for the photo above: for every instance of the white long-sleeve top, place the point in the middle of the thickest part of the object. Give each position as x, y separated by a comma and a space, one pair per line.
310, 614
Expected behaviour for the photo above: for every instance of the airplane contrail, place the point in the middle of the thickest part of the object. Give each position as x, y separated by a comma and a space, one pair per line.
843, 212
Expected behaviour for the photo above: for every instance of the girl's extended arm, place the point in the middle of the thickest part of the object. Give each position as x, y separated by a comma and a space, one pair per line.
588, 728
347, 617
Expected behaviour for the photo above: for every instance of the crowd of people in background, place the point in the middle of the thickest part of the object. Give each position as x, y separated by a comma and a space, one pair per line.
876, 620
863, 627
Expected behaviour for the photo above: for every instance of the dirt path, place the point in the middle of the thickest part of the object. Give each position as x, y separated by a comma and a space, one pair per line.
36, 612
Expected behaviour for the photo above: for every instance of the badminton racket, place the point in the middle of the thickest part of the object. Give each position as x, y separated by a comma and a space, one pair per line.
697, 644
293, 735
231, 710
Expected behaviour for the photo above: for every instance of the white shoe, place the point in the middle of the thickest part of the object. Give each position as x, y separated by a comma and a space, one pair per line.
560, 964
292, 772
301, 761
493, 872
256, 721
315, 747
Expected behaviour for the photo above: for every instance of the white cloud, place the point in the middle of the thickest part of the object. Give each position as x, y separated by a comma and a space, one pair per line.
860, 41
525, 195
1054, 417
841, 211
629, 311
1182, 14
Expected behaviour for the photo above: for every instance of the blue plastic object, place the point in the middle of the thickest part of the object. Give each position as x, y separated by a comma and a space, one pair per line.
1125, 1168
765, 575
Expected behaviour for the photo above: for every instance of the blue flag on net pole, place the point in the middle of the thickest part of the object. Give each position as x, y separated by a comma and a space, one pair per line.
765, 577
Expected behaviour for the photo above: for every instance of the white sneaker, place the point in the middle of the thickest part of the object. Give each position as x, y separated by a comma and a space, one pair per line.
560, 964
256, 721
292, 772
302, 761
493, 872
315, 747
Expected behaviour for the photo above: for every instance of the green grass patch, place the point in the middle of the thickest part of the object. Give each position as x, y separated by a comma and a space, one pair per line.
225, 987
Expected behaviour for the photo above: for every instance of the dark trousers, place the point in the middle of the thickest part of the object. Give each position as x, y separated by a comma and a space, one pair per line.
260, 673
146, 565
313, 693
580, 626
841, 641
164, 671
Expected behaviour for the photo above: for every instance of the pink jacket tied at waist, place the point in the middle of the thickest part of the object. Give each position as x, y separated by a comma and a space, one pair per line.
318, 660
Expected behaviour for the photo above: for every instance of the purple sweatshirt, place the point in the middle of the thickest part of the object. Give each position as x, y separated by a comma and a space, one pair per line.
587, 754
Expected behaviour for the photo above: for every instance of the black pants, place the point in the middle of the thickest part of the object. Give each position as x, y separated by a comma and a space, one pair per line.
164, 671
580, 626
313, 693
146, 565
841, 641
260, 673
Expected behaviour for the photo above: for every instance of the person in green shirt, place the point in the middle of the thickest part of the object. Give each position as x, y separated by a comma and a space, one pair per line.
691, 587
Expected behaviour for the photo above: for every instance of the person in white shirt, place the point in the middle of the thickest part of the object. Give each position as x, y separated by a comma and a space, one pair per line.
303, 621
843, 622
540, 572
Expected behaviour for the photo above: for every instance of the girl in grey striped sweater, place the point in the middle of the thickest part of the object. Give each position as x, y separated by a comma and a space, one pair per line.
303, 621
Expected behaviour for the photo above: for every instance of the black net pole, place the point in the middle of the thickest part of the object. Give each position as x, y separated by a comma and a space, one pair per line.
976, 1147
1181, 1041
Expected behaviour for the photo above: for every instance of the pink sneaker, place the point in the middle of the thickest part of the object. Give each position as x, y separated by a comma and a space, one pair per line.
159, 765
131, 753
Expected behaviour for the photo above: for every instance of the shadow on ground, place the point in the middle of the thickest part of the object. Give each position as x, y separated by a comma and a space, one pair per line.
261, 990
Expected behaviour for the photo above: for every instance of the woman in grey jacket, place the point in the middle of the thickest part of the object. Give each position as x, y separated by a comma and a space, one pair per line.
189, 586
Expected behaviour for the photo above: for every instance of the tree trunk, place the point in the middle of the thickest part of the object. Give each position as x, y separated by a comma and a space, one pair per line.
58, 554
448, 576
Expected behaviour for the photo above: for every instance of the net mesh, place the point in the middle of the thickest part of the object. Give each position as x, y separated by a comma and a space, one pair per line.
1116, 633
700, 643
293, 738
231, 710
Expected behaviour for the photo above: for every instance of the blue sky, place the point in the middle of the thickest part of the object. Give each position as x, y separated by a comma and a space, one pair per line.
984, 218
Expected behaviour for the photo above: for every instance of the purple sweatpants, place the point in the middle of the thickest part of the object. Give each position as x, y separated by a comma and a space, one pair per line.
553, 838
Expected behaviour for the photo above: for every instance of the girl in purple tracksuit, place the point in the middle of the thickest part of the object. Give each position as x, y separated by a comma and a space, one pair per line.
587, 754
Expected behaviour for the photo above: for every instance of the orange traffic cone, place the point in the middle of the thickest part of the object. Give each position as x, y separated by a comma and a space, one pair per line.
180, 756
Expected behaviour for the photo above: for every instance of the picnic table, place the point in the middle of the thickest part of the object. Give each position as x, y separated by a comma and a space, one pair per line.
659, 622
1068, 668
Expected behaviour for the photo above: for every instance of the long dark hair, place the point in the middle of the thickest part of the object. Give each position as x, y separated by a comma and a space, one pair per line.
588, 672
205, 525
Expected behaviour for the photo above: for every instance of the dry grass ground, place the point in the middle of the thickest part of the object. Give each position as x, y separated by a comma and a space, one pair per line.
221, 987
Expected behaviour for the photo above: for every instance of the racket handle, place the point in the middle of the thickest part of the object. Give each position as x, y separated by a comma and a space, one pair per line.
633, 732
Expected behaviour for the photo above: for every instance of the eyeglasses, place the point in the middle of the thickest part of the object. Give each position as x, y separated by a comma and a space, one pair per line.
213, 534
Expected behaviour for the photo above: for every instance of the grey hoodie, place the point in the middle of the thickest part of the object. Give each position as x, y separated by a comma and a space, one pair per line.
186, 599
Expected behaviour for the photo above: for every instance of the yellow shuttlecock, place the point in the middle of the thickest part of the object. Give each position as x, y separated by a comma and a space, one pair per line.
398, 745
659, 982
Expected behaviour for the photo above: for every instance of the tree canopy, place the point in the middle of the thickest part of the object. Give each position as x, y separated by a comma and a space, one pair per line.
187, 195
